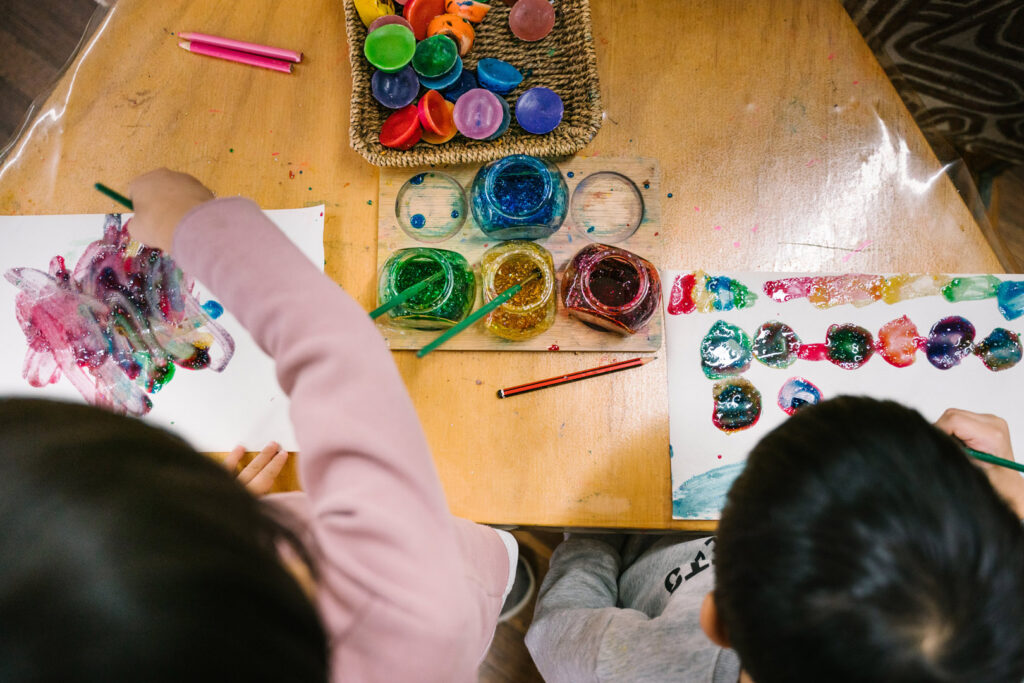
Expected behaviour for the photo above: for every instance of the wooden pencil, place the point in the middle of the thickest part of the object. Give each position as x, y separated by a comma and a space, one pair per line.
574, 376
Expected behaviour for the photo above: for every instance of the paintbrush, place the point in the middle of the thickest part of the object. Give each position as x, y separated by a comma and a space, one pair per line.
477, 314
994, 460
404, 295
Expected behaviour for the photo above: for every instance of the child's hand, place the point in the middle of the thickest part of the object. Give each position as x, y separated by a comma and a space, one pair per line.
161, 199
989, 434
259, 475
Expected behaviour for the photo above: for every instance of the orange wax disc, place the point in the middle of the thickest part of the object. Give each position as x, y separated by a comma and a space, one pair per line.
455, 27
431, 112
402, 129
446, 122
474, 11
420, 12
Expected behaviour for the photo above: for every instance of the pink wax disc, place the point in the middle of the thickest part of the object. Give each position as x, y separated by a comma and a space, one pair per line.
478, 114
388, 19
531, 20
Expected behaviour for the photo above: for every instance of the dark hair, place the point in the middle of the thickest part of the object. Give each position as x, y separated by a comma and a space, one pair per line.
860, 544
127, 556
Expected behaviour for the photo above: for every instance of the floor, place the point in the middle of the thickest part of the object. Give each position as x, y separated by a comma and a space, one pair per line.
37, 37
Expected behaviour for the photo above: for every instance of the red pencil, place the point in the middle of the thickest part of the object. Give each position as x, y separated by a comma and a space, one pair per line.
235, 56
574, 376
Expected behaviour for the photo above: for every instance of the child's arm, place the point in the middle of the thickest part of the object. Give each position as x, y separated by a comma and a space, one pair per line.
392, 591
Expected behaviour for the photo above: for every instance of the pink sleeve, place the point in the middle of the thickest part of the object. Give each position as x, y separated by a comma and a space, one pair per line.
393, 590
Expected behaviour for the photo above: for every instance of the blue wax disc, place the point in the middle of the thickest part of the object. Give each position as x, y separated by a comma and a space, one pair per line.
539, 110
395, 90
467, 81
506, 119
445, 80
497, 76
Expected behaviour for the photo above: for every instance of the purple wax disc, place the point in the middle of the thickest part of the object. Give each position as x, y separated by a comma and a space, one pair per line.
539, 110
388, 19
395, 90
478, 114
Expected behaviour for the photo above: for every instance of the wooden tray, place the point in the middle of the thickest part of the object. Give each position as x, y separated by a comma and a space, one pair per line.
567, 334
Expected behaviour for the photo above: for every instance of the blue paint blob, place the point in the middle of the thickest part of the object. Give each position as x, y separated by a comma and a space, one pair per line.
455, 214
591, 229
950, 340
737, 405
647, 186
1010, 299
571, 174
721, 287
703, 496
725, 351
417, 179
1000, 350
417, 220
213, 309
670, 195
798, 393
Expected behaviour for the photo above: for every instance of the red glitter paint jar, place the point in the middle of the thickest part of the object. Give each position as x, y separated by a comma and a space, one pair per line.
611, 288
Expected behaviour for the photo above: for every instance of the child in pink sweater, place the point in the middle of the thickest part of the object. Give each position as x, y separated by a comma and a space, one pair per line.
404, 591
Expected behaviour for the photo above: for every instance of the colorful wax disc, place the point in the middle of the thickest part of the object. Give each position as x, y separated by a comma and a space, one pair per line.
433, 114
435, 139
395, 90
444, 80
465, 83
390, 47
388, 19
419, 13
497, 76
455, 27
371, 10
478, 114
468, 9
402, 129
531, 20
506, 120
539, 110
435, 56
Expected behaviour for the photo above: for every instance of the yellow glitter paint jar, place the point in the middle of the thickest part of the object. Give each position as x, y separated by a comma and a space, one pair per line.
532, 310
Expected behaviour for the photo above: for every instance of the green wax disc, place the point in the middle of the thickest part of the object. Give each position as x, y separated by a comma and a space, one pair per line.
434, 56
390, 47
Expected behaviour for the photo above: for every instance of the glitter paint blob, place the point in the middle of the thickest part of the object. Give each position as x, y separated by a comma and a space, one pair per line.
442, 303
848, 346
1010, 299
610, 288
519, 197
950, 341
532, 310
1000, 350
117, 324
737, 405
797, 393
724, 351
898, 342
974, 288
775, 344
703, 293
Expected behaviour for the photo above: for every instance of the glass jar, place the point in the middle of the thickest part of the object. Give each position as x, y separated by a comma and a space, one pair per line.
519, 198
443, 302
611, 288
532, 310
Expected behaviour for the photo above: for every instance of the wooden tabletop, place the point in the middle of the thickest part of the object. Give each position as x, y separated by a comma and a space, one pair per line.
781, 141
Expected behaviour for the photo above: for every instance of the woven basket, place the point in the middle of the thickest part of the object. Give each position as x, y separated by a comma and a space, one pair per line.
564, 61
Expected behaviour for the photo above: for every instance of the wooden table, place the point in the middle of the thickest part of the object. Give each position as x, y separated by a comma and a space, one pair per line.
772, 120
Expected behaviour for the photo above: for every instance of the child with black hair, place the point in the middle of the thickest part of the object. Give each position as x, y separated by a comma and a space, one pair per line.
127, 556
858, 545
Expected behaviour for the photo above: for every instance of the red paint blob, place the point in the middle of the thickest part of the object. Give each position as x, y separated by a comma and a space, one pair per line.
681, 299
898, 342
790, 288
553, 347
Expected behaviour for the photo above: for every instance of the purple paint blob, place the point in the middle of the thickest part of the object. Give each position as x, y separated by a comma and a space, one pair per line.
949, 341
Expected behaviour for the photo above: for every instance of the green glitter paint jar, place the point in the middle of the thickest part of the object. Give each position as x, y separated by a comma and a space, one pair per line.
443, 302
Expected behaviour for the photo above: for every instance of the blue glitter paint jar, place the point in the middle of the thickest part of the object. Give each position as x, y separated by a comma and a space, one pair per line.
519, 198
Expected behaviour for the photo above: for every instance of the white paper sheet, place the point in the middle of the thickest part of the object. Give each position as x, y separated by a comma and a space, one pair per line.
705, 460
213, 411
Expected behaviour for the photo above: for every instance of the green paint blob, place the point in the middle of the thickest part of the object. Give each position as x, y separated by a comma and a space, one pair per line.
231, 149
849, 346
1000, 350
775, 344
724, 351
972, 288
741, 296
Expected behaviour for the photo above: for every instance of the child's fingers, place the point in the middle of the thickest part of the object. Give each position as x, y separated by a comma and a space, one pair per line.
988, 433
232, 459
264, 480
259, 462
